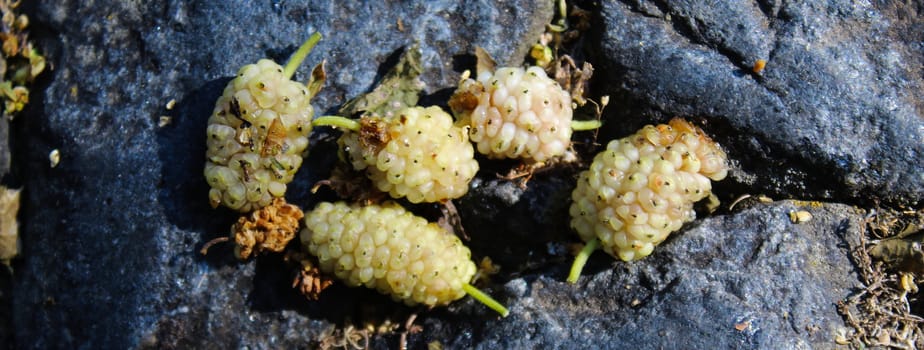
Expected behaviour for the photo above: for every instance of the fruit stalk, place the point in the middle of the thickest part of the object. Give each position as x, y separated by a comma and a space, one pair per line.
485, 299
300, 55
584, 125
337, 122
581, 259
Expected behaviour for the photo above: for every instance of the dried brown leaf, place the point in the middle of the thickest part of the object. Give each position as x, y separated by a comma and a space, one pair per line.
268, 229
483, 61
349, 183
318, 77
9, 227
310, 281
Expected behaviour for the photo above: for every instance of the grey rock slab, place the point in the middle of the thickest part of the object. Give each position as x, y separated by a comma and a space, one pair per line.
836, 113
111, 236
750, 279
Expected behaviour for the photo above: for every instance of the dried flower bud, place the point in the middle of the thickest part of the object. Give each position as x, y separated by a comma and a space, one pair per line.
267, 229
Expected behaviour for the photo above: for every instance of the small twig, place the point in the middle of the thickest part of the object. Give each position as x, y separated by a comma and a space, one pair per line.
737, 200
409, 327
209, 244
451, 221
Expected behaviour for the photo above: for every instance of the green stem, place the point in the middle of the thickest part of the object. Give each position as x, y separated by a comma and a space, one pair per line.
299, 56
581, 259
563, 14
584, 125
337, 122
485, 299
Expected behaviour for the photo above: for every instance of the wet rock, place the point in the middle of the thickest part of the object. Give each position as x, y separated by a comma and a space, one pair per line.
834, 114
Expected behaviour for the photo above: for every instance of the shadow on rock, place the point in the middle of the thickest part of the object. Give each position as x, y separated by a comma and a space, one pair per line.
184, 191
519, 229
273, 291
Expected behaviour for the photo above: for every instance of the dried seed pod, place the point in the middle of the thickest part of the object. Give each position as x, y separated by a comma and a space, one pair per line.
642, 187
392, 250
258, 132
267, 229
416, 153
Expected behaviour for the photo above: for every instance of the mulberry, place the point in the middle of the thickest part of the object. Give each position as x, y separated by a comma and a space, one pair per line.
516, 113
258, 132
416, 153
642, 188
390, 249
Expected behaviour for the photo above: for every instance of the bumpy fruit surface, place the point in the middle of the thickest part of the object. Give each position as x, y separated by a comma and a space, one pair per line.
515, 113
390, 249
642, 187
256, 137
416, 153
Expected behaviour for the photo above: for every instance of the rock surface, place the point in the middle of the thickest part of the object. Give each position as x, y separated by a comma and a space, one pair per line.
835, 114
748, 279
111, 258
111, 235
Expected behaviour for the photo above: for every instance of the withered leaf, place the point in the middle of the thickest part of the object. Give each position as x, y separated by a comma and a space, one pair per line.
400, 88
318, 77
275, 139
9, 227
483, 61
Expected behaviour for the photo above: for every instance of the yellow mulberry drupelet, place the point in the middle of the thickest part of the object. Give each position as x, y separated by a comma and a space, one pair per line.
515, 113
416, 153
257, 134
390, 249
642, 187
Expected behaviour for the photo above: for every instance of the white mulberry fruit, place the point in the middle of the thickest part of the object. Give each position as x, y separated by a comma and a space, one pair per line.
515, 113
415, 153
642, 188
257, 134
392, 250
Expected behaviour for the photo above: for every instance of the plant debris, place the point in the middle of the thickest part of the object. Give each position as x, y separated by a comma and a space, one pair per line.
409, 328
20, 62
54, 157
344, 338
269, 228
310, 281
572, 78
9, 228
399, 88
799, 216
885, 313
486, 269
450, 220
350, 183
164, 120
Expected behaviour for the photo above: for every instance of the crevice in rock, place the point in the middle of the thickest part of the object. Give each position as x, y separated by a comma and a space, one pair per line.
689, 28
